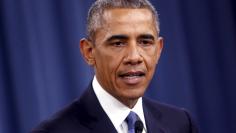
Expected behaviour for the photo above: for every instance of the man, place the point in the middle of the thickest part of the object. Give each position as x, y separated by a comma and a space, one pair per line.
123, 46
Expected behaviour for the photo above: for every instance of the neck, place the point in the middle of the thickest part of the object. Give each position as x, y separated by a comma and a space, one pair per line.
130, 103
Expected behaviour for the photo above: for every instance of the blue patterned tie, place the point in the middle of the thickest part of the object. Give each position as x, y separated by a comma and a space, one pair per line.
131, 119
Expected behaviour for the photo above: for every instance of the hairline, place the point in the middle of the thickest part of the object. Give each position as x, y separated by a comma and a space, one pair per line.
91, 30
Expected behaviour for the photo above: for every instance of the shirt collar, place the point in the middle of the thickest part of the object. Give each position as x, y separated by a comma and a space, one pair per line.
116, 111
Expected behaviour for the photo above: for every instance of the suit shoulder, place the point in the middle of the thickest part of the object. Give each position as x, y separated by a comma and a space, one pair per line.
171, 115
67, 119
163, 107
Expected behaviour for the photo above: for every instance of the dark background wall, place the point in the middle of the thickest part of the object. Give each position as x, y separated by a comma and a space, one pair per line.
41, 69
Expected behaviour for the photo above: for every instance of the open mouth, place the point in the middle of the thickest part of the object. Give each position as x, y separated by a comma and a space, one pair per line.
130, 75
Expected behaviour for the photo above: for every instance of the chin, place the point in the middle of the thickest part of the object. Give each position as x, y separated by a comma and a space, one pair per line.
135, 94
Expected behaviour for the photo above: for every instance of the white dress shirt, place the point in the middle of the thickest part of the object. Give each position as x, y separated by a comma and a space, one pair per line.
117, 111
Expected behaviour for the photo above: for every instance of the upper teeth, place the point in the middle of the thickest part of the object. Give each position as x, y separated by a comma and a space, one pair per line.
133, 74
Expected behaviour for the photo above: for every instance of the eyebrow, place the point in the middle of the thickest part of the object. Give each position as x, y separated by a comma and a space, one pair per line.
125, 37
146, 36
118, 37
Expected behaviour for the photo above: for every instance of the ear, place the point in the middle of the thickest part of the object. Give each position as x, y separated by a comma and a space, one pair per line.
86, 49
160, 44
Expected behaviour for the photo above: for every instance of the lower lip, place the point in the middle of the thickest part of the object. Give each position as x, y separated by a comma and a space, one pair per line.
132, 80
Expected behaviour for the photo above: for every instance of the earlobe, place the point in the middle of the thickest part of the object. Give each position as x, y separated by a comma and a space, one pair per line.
86, 49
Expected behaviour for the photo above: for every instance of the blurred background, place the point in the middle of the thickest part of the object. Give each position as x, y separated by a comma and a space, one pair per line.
41, 69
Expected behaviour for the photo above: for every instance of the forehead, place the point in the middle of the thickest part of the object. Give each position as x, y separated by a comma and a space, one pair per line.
131, 12
127, 21
119, 15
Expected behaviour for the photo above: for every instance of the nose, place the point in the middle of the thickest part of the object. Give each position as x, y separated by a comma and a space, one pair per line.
133, 56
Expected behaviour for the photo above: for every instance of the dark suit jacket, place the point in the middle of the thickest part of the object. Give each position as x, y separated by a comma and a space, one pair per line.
86, 115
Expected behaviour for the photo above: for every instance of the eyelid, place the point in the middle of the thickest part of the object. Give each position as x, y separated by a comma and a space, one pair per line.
148, 41
117, 43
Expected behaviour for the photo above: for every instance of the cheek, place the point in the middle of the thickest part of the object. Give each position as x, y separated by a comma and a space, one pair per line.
107, 62
151, 58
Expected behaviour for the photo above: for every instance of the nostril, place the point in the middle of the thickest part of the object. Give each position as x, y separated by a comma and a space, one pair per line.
133, 61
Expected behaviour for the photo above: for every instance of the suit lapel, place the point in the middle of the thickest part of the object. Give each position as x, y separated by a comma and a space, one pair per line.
153, 119
92, 114
104, 126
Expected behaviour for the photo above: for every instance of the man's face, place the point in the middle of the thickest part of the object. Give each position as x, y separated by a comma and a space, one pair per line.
125, 53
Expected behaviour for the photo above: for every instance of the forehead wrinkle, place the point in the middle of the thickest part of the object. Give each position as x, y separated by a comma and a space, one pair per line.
127, 16
130, 14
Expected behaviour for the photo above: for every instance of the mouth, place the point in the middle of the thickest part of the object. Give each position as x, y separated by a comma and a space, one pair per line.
132, 74
132, 77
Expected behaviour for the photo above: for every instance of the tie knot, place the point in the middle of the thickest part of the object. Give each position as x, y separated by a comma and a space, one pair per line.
131, 120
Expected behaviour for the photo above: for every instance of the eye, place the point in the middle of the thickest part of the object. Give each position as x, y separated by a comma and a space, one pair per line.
118, 43
146, 42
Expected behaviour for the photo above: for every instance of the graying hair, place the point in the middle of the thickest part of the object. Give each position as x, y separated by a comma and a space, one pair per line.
95, 14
